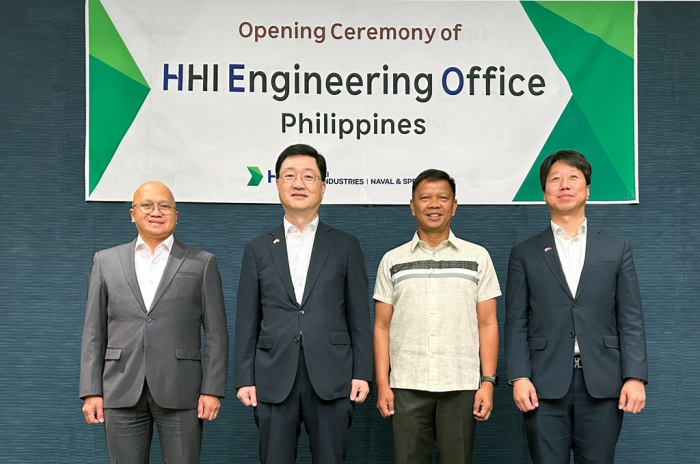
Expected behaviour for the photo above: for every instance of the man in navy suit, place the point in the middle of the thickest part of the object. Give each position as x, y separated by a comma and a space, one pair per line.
303, 350
574, 330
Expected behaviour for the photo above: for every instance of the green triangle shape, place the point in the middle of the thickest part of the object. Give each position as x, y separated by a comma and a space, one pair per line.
115, 99
107, 45
573, 132
602, 81
613, 22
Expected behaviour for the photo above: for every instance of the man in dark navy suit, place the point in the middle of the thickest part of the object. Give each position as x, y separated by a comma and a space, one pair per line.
303, 348
574, 330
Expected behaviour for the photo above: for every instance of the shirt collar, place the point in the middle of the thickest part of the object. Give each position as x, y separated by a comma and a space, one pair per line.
559, 230
451, 239
289, 227
166, 244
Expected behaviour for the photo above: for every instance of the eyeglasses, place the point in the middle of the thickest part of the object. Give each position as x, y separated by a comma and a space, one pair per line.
147, 207
307, 177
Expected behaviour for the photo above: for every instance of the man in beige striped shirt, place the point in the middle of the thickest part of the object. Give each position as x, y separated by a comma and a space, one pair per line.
435, 332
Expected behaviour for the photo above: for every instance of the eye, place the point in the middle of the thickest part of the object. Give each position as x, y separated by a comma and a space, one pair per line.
308, 177
147, 205
288, 176
165, 207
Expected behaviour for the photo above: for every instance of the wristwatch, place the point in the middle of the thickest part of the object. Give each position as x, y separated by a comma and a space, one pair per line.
491, 379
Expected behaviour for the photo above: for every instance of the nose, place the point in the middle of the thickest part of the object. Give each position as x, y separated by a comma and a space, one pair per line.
298, 183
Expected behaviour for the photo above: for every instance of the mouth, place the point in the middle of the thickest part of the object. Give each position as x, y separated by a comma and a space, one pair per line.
434, 215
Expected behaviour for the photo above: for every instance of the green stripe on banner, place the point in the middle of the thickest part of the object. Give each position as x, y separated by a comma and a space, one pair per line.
115, 99
107, 45
602, 82
611, 21
573, 130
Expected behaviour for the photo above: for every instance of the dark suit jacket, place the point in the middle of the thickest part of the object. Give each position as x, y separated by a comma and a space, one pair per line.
542, 317
123, 346
333, 317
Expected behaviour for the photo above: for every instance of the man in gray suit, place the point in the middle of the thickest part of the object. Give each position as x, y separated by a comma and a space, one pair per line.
303, 339
574, 330
141, 351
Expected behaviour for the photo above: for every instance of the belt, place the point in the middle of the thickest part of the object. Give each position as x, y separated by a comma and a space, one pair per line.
577, 362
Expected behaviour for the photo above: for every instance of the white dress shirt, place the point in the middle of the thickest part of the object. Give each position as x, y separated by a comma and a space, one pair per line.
150, 267
299, 246
572, 255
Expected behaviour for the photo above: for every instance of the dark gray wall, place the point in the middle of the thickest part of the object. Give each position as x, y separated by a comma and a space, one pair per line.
50, 234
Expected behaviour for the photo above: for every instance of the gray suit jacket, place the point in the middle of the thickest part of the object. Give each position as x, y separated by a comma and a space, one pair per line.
333, 317
605, 315
123, 346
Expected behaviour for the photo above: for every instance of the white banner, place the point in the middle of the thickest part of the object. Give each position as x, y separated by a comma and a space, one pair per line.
217, 89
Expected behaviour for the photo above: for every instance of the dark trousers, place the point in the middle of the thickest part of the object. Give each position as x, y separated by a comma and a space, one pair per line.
128, 432
588, 426
421, 417
326, 422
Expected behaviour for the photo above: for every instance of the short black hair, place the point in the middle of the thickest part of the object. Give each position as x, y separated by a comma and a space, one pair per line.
303, 150
570, 157
432, 175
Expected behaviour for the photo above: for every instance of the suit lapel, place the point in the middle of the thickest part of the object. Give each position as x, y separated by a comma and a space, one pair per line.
322, 245
548, 249
278, 250
593, 247
126, 257
177, 256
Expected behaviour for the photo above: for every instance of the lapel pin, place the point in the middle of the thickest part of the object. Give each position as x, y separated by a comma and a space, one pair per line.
276, 240
548, 249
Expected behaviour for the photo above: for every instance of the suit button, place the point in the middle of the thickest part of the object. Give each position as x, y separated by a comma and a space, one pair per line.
301, 312
575, 305
148, 319
572, 335
529, 312
296, 339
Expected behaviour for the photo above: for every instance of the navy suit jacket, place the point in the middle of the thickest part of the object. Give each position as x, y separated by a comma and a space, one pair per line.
605, 315
333, 317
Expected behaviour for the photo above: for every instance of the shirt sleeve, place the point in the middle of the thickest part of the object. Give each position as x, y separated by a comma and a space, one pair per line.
488, 280
384, 287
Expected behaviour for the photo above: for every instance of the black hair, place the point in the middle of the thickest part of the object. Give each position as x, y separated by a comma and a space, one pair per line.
432, 175
570, 157
303, 150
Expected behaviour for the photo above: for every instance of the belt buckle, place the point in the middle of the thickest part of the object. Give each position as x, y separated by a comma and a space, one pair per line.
577, 362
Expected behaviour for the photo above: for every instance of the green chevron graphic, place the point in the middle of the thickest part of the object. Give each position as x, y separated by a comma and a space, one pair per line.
117, 91
255, 176
592, 43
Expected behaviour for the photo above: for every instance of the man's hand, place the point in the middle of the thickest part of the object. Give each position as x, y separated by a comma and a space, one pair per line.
92, 409
633, 397
483, 402
385, 401
525, 395
247, 396
359, 390
208, 407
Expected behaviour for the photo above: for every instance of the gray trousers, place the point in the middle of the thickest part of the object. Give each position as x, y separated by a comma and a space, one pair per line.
422, 417
128, 432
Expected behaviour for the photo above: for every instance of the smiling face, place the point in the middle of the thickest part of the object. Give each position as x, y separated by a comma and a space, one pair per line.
433, 204
565, 190
299, 198
153, 227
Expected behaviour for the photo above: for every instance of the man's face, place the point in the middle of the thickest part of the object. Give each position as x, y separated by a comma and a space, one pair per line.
154, 226
298, 197
433, 205
565, 191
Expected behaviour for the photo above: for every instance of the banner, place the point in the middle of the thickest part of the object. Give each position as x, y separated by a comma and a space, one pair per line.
205, 95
